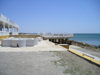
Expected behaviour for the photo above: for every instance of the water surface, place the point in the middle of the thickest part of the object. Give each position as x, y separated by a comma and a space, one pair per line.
93, 39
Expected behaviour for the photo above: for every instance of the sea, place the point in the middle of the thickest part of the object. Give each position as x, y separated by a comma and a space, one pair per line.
92, 39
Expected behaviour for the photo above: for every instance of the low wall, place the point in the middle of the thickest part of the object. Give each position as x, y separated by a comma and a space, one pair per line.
25, 36
64, 45
3, 37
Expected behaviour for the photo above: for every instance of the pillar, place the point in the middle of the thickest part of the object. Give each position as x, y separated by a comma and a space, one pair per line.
57, 40
60, 41
17, 29
63, 41
12, 28
66, 40
8, 28
54, 40
3, 26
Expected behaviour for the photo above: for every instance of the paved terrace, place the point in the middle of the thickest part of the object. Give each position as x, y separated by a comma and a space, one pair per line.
45, 58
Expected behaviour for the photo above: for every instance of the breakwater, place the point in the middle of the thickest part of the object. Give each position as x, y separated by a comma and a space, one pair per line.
84, 45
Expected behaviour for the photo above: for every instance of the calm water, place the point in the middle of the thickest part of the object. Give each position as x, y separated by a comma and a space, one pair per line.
93, 39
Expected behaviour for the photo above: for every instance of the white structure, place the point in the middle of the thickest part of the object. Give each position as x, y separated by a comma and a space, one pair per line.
20, 42
7, 26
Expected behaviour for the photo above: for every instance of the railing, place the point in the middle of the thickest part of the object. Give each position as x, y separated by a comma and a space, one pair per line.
14, 33
3, 33
57, 35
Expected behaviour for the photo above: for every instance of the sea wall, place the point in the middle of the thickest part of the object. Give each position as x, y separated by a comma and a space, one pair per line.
84, 45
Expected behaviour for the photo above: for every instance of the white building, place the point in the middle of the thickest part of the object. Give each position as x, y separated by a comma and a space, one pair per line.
7, 27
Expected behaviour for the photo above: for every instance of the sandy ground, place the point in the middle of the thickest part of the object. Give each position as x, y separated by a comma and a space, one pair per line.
95, 53
45, 58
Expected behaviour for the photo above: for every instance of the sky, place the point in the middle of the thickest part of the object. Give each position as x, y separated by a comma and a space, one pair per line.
56, 16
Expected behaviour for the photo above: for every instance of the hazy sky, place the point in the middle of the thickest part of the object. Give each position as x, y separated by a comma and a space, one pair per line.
58, 16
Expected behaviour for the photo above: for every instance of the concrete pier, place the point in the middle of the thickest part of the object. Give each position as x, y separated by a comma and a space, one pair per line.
57, 38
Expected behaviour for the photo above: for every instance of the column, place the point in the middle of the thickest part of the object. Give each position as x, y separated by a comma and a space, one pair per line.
3, 26
57, 40
54, 40
17, 29
66, 40
8, 28
12, 28
60, 41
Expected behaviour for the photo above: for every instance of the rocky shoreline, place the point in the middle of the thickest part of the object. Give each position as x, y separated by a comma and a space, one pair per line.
85, 45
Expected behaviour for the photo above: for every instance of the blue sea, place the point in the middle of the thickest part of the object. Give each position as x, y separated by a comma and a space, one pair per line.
92, 39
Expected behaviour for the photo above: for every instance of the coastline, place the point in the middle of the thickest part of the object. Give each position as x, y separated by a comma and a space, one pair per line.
85, 45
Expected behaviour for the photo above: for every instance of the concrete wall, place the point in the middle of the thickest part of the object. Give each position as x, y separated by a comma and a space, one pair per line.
20, 42
25, 36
